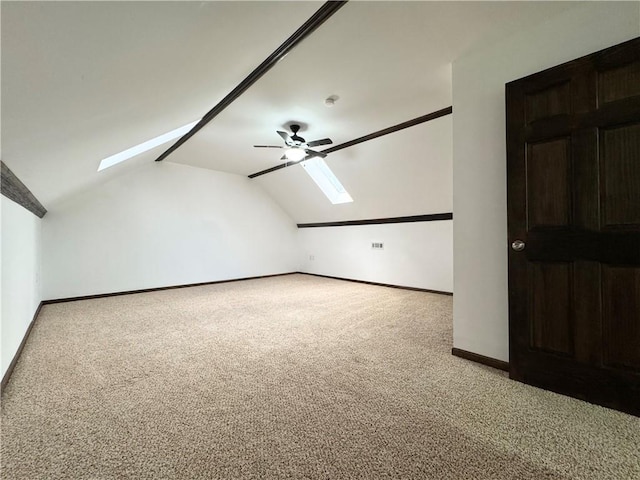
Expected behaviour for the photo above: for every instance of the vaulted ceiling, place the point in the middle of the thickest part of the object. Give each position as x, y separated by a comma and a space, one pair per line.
84, 80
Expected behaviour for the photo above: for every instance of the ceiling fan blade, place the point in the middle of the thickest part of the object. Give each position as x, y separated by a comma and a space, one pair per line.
267, 146
285, 136
317, 143
314, 153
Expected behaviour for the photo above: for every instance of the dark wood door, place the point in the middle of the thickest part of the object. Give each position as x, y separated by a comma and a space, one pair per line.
573, 186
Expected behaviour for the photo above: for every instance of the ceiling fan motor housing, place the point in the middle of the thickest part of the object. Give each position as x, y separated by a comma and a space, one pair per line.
298, 144
297, 139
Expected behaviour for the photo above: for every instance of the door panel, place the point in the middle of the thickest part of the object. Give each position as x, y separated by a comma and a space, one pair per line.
548, 171
550, 307
587, 305
621, 317
584, 145
619, 83
573, 194
620, 149
553, 100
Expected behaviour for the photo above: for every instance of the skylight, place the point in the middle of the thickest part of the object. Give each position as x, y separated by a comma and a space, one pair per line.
143, 147
320, 172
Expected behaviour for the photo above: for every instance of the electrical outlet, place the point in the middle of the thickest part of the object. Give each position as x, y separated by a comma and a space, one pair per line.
312, 257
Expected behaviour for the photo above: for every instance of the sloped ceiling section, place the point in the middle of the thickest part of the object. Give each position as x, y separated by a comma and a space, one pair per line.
405, 173
84, 80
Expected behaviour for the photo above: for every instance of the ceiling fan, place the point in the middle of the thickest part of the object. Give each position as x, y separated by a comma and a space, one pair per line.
297, 147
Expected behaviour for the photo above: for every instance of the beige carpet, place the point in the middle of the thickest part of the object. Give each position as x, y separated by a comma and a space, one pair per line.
287, 377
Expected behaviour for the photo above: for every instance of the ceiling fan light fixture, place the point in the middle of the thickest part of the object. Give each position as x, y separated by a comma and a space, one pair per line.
295, 154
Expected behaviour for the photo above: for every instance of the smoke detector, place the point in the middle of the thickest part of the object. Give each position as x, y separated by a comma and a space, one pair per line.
331, 101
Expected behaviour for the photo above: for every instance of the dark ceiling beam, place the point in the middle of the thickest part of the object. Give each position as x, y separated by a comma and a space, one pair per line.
15, 190
430, 217
371, 136
318, 18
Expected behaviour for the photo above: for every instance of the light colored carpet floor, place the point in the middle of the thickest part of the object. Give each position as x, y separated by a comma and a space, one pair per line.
286, 377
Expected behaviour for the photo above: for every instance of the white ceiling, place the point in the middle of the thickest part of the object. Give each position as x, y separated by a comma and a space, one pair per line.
84, 80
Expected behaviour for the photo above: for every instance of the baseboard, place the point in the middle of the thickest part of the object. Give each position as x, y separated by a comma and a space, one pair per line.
7, 374
416, 289
476, 357
157, 289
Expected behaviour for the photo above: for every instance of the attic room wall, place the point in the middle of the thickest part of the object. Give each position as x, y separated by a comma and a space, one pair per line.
416, 254
164, 224
21, 287
383, 183
480, 307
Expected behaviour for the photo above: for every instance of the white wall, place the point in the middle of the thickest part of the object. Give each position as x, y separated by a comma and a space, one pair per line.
479, 159
21, 292
416, 254
164, 224
383, 184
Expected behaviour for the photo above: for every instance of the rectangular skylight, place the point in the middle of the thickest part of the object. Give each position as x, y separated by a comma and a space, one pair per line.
320, 172
143, 147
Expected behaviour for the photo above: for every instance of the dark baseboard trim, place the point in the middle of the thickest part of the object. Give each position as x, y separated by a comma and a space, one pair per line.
476, 357
7, 374
157, 289
15, 190
432, 217
317, 19
402, 287
386, 131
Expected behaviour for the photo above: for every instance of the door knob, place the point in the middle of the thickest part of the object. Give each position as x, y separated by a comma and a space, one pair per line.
518, 245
